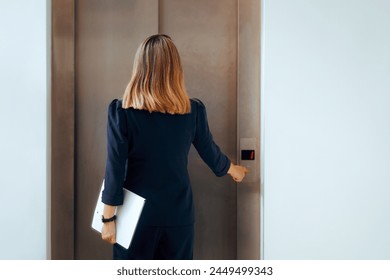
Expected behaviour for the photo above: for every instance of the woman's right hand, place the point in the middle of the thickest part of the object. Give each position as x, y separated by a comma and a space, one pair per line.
237, 172
109, 232
109, 229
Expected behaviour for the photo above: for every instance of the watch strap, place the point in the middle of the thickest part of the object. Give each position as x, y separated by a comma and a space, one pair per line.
104, 220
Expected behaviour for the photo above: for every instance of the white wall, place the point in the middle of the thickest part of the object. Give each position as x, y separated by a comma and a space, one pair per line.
326, 133
23, 121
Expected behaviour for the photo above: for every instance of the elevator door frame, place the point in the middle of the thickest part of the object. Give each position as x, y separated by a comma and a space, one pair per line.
62, 169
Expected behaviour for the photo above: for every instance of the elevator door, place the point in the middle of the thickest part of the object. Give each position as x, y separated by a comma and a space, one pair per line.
107, 35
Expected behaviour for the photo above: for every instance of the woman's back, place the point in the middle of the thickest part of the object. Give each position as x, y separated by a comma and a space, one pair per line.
157, 146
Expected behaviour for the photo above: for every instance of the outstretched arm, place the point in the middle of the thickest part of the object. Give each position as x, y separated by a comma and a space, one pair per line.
210, 152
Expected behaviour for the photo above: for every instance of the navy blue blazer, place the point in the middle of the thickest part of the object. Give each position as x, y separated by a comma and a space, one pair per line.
147, 153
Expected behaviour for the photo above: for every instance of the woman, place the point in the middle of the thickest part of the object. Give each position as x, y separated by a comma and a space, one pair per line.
149, 135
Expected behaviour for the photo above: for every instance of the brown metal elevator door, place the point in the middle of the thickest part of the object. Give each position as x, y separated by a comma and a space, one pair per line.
107, 35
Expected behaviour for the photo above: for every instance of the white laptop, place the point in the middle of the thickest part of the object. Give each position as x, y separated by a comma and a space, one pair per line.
127, 216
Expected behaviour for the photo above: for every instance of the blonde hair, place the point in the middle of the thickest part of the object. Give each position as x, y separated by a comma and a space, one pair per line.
157, 82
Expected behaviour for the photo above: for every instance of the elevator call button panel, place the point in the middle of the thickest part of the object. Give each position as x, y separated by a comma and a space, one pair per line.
248, 159
247, 154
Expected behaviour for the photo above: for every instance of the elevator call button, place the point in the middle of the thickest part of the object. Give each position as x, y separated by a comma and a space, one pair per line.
247, 154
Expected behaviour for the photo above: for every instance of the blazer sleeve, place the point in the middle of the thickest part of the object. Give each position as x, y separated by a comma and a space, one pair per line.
204, 143
117, 152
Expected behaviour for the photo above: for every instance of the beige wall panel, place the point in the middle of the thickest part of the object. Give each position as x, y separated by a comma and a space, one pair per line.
205, 33
107, 35
248, 194
62, 131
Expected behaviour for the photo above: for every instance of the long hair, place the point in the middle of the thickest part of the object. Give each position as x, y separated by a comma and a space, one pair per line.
157, 81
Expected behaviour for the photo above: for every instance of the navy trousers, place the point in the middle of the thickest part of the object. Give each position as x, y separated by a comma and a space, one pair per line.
158, 243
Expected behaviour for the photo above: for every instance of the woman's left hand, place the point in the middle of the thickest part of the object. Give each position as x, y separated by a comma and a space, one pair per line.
237, 172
